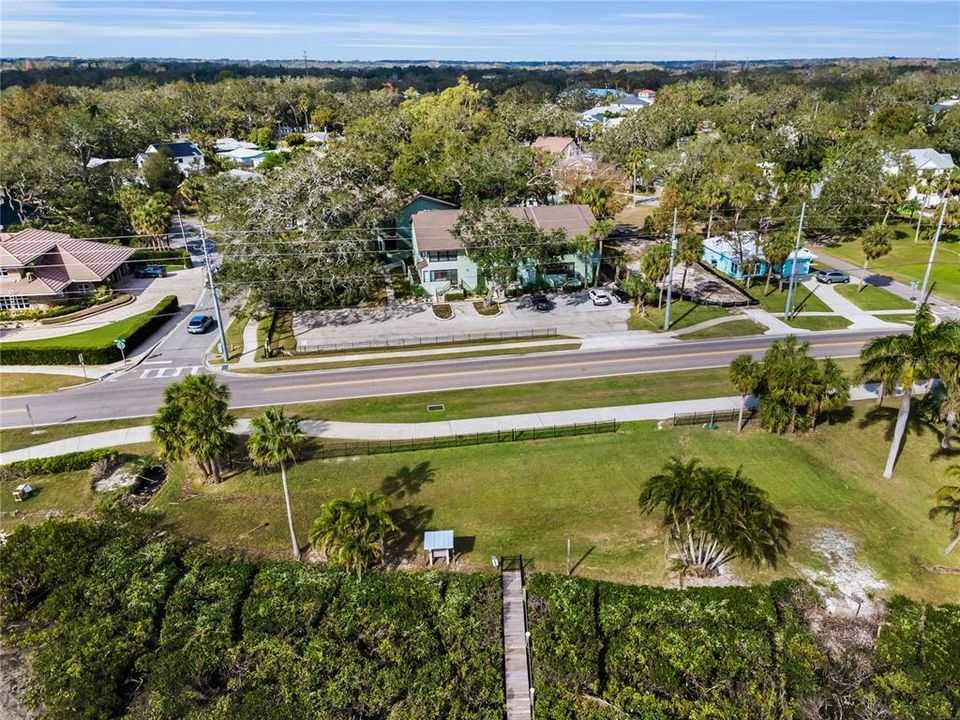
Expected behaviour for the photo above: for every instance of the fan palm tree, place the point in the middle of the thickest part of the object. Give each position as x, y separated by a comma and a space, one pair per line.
776, 249
790, 375
746, 375
599, 231
639, 288
273, 442
353, 532
195, 420
876, 241
949, 409
655, 264
829, 391
948, 503
713, 515
907, 359
689, 251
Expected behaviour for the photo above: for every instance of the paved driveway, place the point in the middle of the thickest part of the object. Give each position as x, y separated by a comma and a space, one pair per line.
571, 315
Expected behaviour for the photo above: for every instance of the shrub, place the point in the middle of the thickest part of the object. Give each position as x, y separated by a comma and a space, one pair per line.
443, 311
62, 463
170, 256
454, 295
96, 345
486, 310
101, 468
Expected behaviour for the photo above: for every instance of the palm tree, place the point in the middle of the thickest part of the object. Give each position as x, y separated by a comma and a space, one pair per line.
353, 532
746, 375
713, 193
655, 264
713, 515
949, 374
273, 442
790, 374
948, 503
925, 186
829, 391
907, 359
195, 420
639, 288
689, 251
776, 250
876, 241
584, 246
599, 231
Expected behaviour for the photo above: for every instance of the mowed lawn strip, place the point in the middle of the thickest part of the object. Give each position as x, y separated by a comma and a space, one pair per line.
682, 314
734, 328
819, 322
774, 301
17, 438
529, 497
908, 260
873, 298
14, 383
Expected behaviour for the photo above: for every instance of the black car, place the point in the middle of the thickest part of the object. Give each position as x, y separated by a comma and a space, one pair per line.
832, 276
151, 271
541, 303
619, 295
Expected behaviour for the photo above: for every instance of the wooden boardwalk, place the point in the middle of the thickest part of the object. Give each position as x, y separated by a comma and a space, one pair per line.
517, 677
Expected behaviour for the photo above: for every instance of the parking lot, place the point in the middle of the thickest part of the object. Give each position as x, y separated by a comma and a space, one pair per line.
571, 314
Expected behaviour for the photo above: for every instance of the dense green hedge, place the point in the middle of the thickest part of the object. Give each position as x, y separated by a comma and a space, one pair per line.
161, 257
61, 463
126, 621
96, 345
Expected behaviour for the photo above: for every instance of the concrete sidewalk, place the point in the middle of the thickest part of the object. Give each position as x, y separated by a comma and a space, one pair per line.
859, 318
412, 431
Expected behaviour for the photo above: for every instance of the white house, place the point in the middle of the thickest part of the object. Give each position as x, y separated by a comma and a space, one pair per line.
739, 256
611, 115
567, 151
226, 144
926, 161
186, 155
245, 157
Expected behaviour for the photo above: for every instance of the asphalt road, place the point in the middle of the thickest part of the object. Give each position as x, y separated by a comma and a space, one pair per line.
139, 391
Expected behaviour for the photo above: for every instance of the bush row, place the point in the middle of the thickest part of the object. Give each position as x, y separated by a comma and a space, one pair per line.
100, 351
60, 463
150, 626
81, 311
161, 257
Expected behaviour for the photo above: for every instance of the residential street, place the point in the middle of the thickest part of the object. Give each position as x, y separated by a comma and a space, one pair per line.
138, 392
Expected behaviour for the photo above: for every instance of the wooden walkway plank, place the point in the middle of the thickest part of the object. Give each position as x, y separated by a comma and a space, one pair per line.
517, 680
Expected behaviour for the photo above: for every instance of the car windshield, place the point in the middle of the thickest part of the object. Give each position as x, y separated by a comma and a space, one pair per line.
198, 320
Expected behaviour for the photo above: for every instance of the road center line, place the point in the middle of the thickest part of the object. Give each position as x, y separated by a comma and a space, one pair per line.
12, 410
552, 366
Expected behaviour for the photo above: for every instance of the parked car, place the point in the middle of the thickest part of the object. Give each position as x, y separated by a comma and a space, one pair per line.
541, 303
150, 271
619, 294
832, 276
199, 324
599, 297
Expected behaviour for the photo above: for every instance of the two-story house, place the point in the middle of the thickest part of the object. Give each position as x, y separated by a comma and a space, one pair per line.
186, 155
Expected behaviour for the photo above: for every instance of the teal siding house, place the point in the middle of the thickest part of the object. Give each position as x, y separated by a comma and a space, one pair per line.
443, 264
737, 255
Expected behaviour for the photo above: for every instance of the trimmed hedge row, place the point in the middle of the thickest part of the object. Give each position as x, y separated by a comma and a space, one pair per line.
87, 311
60, 463
161, 257
103, 352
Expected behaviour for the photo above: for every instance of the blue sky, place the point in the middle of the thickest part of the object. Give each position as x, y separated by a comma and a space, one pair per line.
479, 30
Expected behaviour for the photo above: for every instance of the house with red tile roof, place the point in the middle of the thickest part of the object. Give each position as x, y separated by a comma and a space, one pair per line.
39, 268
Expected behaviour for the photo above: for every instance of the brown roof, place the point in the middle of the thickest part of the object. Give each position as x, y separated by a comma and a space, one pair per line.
431, 228
552, 143
58, 260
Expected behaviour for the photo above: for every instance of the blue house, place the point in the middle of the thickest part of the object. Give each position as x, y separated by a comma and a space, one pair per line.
737, 255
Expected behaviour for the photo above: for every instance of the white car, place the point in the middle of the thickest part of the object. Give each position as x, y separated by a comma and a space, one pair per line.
599, 297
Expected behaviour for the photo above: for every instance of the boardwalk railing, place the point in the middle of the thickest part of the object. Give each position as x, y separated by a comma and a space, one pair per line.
349, 448
706, 418
428, 340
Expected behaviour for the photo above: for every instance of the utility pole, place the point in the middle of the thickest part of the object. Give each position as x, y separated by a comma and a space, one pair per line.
224, 350
933, 251
788, 310
673, 251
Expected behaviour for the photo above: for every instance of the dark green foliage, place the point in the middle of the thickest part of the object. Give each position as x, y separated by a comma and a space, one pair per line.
61, 463
161, 173
101, 351
171, 256
602, 650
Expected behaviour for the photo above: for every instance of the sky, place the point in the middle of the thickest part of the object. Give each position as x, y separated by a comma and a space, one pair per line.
480, 30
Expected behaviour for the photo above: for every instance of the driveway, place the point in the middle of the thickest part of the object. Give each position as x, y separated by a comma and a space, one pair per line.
572, 314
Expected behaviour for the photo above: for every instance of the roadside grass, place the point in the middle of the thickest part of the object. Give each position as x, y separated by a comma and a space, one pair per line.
682, 314
776, 301
734, 328
332, 365
905, 318
873, 298
908, 259
282, 339
93, 338
480, 340
16, 438
819, 322
528, 498
28, 383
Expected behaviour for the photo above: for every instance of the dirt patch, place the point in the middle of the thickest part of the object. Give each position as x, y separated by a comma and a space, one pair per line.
14, 684
117, 480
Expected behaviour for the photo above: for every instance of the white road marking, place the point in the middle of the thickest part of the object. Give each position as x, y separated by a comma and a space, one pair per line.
169, 372
156, 362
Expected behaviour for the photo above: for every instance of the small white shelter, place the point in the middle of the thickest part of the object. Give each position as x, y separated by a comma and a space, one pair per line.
438, 544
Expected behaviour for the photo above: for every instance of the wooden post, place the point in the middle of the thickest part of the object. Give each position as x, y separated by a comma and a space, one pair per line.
568, 556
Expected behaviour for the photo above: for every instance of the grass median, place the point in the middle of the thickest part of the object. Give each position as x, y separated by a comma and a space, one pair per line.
683, 314
873, 298
29, 383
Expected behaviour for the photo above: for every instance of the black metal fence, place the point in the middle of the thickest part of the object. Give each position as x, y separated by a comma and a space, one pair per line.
429, 340
705, 418
349, 448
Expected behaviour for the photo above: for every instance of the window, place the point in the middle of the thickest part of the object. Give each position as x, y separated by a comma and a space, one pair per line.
564, 269
3, 272
442, 256
13, 302
443, 276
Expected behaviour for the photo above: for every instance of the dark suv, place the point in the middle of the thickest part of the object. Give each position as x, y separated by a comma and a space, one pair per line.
151, 271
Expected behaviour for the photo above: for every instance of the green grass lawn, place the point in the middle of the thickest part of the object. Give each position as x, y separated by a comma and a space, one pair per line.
682, 314
776, 302
873, 298
908, 260
282, 337
819, 322
94, 338
906, 318
16, 438
734, 328
530, 497
29, 383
